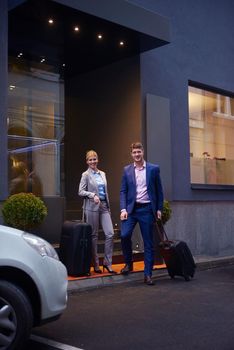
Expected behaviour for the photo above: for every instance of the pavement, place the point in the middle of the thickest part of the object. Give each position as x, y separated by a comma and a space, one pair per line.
171, 315
202, 262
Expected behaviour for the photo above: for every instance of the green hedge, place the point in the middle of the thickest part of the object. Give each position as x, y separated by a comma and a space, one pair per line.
166, 213
23, 211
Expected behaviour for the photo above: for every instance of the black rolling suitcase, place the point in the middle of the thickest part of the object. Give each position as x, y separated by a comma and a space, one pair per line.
177, 256
76, 248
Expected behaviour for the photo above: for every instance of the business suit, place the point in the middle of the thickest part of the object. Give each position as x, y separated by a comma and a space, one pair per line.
142, 213
94, 212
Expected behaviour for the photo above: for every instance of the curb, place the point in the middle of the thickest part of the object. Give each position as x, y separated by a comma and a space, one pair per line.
212, 263
202, 263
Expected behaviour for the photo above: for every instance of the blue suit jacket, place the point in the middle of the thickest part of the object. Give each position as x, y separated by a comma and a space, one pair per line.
154, 187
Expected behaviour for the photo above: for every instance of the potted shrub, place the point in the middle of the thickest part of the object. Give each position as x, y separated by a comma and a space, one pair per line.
24, 211
166, 213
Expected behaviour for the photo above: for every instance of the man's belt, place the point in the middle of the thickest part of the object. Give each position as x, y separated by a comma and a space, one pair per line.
141, 205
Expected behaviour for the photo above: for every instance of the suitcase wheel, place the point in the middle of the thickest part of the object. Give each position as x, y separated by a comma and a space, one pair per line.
187, 278
172, 276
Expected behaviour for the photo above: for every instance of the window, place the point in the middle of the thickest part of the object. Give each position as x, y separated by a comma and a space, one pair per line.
35, 129
211, 125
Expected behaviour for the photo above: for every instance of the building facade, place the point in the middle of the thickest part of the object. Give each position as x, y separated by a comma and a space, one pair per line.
79, 75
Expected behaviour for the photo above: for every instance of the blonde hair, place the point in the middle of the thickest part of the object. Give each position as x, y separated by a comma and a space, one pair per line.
91, 153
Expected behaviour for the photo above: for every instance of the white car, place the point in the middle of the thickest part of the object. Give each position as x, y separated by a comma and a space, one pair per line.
33, 286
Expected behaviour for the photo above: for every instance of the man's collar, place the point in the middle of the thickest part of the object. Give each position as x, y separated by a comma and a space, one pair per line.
143, 166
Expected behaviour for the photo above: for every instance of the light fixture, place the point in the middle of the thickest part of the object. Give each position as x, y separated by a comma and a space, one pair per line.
12, 87
42, 60
50, 21
20, 54
64, 65
99, 36
121, 43
76, 29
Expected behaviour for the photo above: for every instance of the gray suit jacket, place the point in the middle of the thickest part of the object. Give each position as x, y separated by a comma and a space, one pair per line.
88, 188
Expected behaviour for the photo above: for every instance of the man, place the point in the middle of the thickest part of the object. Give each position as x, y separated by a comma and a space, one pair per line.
141, 200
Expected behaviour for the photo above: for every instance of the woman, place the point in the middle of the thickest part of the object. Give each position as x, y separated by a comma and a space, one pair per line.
93, 187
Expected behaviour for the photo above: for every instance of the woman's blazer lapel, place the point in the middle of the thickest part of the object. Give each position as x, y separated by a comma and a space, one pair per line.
92, 181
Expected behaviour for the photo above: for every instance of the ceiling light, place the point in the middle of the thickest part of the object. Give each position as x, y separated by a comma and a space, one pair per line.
42, 60
50, 21
121, 43
99, 36
76, 29
20, 54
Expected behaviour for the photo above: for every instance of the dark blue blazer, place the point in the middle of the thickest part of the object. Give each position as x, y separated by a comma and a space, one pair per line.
154, 187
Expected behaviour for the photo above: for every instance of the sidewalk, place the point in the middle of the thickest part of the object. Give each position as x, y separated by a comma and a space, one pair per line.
98, 281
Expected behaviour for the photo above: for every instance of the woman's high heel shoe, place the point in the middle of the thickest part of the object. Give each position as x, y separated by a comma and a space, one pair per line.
109, 269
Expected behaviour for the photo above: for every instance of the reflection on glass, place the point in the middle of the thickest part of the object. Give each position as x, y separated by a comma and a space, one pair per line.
211, 125
35, 129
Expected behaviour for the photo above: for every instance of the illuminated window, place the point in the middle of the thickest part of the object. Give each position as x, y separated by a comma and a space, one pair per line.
35, 129
211, 125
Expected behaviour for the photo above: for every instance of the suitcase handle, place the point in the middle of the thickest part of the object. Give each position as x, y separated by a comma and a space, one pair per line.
161, 230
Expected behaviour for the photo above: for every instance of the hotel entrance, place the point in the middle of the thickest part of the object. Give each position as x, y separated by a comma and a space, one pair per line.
74, 85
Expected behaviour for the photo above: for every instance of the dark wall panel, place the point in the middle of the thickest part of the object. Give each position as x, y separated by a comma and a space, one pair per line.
3, 98
102, 112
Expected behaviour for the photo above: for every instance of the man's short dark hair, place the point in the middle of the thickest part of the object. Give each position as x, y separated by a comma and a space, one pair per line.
136, 145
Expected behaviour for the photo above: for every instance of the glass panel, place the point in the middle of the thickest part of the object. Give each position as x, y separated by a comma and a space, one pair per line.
211, 125
35, 127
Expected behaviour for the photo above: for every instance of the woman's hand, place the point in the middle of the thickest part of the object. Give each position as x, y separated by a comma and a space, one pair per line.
96, 199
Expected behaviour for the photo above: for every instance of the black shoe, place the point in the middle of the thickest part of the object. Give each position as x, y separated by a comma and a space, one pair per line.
97, 270
148, 280
126, 269
109, 269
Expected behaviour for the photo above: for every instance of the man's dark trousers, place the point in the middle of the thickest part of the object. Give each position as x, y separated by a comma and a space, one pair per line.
143, 215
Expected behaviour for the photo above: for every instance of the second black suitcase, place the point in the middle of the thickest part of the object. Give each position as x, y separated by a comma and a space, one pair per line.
177, 256
76, 247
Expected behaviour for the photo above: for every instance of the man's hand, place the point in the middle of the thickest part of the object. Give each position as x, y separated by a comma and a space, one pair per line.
123, 215
159, 215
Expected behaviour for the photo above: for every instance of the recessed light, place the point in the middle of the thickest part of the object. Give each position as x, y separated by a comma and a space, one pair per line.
51, 21
76, 29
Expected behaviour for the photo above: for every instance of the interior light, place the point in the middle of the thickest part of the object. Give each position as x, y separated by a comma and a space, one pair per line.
20, 54
51, 21
12, 87
121, 43
99, 36
64, 65
42, 60
76, 29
